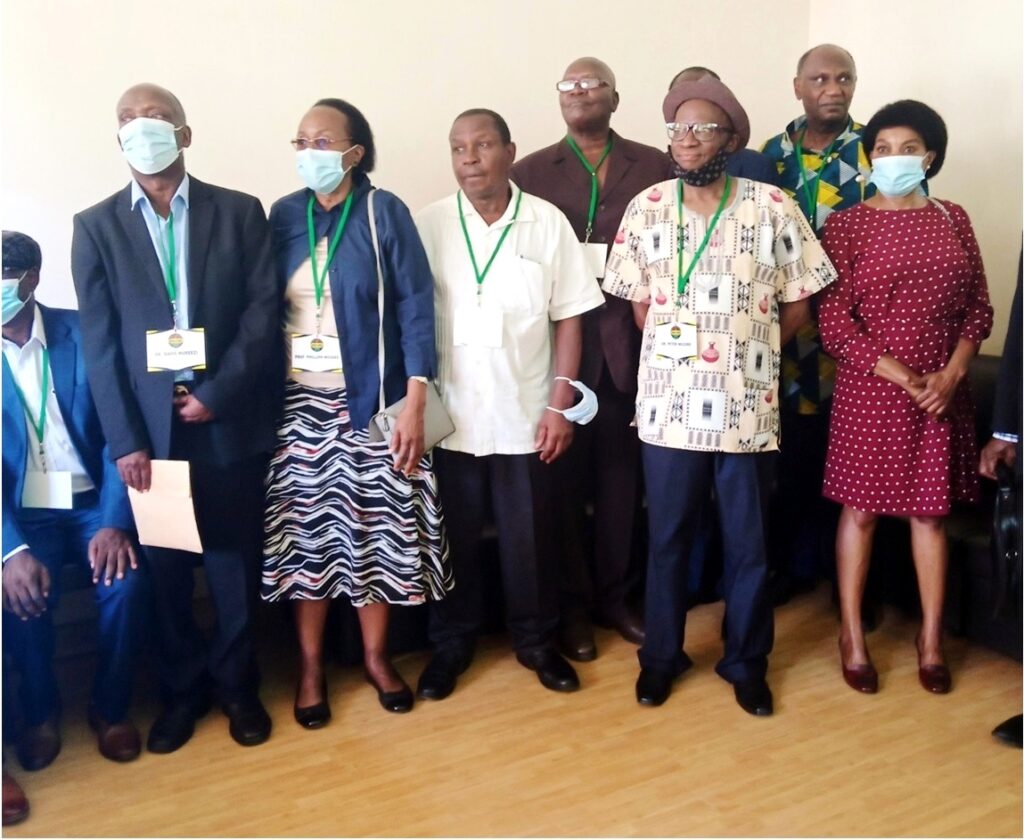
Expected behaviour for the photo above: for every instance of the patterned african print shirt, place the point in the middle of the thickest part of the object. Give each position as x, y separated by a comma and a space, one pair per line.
762, 252
840, 177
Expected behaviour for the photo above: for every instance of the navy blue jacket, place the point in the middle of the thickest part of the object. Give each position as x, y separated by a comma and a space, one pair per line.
409, 348
67, 363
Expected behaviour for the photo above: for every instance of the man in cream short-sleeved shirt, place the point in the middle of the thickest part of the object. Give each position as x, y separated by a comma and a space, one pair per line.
510, 285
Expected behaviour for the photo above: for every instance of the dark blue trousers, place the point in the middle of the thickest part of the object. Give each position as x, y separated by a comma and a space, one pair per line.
678, 485
56, 538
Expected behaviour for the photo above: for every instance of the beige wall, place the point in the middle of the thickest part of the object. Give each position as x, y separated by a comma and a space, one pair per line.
246, 71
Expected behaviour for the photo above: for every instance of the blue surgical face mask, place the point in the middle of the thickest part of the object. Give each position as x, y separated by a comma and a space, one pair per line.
897, 175
149, 145
321, 169
585, 410
12, 303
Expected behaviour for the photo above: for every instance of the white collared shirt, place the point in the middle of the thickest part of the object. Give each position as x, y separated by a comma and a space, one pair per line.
26, 365
497, 395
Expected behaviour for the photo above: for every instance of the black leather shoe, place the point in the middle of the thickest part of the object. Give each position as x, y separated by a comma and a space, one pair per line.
39, 745
624, 620
552, 670
175, 724
250, 723
315, 716
1009, 731
653, 687
754, 697
576, 637
393, 701
439, 677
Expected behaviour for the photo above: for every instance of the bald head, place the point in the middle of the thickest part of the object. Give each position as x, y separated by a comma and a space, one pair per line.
828, 52
149, 100
590, 66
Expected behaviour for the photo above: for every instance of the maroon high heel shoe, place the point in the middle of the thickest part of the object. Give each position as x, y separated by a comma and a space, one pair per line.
862, 678
933, 678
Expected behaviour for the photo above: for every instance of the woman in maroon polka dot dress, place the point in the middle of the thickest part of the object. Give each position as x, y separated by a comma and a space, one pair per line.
909, 311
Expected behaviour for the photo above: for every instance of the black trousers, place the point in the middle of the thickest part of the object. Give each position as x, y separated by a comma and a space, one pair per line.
602, 467
678, 484
229, 512
518, 490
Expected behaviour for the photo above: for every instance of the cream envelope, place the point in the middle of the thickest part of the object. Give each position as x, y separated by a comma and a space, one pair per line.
164, 514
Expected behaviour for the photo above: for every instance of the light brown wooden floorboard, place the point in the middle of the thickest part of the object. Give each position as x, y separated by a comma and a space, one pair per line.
503, 756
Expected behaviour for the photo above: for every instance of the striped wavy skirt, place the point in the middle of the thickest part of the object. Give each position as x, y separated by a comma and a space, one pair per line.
340, 521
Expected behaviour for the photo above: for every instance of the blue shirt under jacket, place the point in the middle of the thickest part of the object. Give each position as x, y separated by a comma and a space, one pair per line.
409, 348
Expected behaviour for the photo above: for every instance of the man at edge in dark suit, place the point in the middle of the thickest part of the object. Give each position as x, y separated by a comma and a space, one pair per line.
189, 263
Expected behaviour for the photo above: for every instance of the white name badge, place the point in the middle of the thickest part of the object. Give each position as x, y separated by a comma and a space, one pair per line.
596, 255
175, 350
477, 326
316, 353
47, 490
676, 340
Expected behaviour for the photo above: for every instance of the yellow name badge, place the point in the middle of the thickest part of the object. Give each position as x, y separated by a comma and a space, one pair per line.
316, 354
676, 340
50, 490
175, 350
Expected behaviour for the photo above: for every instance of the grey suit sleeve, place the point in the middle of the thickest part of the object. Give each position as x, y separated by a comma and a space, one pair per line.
122, 421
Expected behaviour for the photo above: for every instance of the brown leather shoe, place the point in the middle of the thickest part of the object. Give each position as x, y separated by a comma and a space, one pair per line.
116, 741
39, 745
862, 678
624, 620
935, 678
15, 801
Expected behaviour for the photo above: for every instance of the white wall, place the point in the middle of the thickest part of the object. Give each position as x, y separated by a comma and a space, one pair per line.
246, 71
964, 60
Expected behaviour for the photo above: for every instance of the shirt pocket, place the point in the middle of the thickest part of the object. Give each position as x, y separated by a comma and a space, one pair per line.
524, 288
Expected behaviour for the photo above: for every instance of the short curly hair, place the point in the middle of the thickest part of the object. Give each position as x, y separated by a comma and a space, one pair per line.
917, 116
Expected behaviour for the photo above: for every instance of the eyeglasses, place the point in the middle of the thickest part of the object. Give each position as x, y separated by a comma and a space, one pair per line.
704, 132
321, 144
567, 85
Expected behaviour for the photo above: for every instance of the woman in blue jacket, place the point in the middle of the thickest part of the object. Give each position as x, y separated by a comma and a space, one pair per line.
347, 517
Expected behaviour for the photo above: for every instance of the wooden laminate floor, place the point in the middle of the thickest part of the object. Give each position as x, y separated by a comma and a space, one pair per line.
503, 756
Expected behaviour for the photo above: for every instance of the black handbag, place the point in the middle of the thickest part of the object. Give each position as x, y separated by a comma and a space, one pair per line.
1006, 543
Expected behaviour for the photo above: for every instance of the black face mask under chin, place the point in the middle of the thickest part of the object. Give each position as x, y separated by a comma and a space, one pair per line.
706, 174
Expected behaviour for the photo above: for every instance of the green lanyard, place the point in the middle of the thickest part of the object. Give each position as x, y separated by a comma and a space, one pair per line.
681, 278
592, 212
319, 278
170, 265
480, 275
38, 426
811, 196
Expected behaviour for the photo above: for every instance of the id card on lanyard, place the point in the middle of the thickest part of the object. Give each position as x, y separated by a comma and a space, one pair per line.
595, 253
43, 488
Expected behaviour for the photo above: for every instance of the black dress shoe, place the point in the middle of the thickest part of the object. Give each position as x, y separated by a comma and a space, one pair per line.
653, 686
250, 723
39, 745
552, 670
176, 723
1009, 731
754, 697
624, 620
393, 701
442, 672
576, 636
317, 715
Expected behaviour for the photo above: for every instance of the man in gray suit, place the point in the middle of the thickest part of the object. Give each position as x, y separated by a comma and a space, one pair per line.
181, 323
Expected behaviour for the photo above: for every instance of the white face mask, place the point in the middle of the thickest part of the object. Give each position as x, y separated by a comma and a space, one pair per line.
897, 175
585, 410
321, 169
149, 145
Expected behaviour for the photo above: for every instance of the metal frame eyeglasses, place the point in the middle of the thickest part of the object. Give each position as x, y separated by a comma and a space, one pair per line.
567, 85
321, 144
704, 132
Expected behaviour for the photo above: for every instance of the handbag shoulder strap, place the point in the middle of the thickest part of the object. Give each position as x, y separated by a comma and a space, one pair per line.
380, 295
942, 209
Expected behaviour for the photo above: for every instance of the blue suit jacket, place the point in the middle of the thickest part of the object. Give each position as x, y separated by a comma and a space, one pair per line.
409, 348
63, 339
